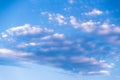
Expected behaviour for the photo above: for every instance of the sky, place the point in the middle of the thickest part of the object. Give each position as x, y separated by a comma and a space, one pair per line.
59, 40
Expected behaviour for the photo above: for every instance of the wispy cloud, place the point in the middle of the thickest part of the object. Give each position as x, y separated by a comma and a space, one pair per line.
13, 53
101, 72
54, 36
92, 61
26, 29
71, 1
94, 12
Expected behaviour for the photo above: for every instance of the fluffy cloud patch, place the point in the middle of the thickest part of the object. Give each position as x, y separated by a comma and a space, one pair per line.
74, 22
94, 27
59, 18
88, 26
26, 29
94, 12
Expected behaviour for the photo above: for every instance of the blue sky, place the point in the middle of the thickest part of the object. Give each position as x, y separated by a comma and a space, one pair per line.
60, 39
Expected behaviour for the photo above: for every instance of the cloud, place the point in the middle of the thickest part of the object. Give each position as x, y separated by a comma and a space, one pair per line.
61, 19
81, 64
53, 48
37, 37
92, 61
12, 53
90, 26
23, 45
26, 29
71, 1
54, 36
105, 28
56, 17
57, 35
101, 72
74, 22
94, 12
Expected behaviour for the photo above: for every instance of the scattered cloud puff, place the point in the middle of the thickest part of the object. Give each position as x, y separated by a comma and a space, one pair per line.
88, 26
59, 18
95, 27
74, 22
94, 12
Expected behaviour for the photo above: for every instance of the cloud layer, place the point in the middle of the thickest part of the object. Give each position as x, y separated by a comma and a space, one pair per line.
48, 47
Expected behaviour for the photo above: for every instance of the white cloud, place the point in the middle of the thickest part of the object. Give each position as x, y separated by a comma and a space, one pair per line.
61, 19
74, 22
101, 72
104, 29
93, 61
57, 35
26, 29
45, 41
94, 12
12, 53
48, 30
80, 59
89, 26
46, 37
4, 35
88, 23
54, 36
56, 17
107, 28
